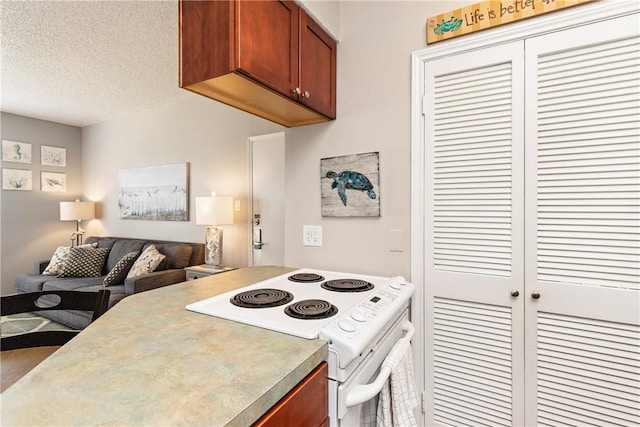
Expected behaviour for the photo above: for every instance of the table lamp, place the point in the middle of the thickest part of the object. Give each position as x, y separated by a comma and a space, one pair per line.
77, 211
214, 211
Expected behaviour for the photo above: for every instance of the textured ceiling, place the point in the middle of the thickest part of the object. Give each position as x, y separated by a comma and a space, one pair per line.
83, 62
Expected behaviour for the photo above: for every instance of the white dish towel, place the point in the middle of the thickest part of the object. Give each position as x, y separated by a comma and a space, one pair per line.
398, 397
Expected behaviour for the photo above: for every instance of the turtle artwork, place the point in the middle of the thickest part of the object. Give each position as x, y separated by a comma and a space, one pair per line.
349, 180
350, 185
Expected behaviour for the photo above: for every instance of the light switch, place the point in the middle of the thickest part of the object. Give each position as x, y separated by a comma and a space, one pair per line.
396, 240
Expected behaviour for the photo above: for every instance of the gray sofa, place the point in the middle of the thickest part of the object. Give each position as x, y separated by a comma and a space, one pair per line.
178, 256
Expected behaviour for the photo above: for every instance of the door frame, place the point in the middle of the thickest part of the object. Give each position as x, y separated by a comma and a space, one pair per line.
568, 18
250, 141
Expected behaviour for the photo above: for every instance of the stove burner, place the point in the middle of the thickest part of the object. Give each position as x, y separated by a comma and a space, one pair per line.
311, 309
261, 298
347, 285
306, 277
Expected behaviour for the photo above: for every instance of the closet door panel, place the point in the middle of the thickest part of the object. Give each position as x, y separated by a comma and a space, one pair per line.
474, 260
583, 225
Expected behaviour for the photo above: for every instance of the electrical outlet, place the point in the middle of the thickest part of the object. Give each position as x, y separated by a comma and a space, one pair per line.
312, 235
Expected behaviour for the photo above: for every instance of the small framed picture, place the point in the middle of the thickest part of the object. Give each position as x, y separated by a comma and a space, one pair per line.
14, 151
16, 179
350, 185
52, 181
53, 156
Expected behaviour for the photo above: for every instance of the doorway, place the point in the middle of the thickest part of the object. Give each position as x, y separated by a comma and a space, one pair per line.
267, 199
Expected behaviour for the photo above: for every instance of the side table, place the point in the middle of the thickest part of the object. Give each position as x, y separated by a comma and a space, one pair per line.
204, 270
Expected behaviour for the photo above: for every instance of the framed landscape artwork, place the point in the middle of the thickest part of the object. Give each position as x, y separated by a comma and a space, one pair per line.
154, 192
350, 185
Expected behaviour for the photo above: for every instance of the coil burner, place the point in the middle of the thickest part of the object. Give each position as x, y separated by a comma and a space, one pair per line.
306, 278
261, 298
347, 285
311, 309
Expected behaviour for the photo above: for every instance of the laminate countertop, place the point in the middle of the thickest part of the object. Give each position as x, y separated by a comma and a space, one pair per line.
149, 361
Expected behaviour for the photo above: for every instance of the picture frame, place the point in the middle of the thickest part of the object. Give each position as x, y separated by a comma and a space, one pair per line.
350, 185
16, 152
159, 193
53, 156
53, 182
17, 179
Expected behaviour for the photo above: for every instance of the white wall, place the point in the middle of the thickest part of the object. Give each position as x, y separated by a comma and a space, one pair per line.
210, 136
373, 95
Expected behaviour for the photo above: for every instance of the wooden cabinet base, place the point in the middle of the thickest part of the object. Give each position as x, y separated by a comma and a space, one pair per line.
239, 91
307, 405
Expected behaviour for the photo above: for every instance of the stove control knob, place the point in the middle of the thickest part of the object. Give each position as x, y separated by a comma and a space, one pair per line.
358, 315
347, 326
397, 282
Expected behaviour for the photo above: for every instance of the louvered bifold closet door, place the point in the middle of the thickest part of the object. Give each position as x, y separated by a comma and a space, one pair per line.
474, 227
583, 226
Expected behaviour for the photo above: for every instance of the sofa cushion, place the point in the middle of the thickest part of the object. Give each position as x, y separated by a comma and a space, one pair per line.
119, 249
31, 282
147, 262
71, 283
119, 271
84, 262
81, 319
177, 255
59, 257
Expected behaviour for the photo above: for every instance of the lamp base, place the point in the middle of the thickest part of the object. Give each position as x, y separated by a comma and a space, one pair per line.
213, 246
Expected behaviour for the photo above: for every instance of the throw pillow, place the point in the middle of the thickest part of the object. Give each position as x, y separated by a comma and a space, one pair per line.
59, 257
147, 262
119, 271
84, 262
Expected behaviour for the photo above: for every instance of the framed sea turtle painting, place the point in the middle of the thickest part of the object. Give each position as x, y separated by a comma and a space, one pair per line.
350, 185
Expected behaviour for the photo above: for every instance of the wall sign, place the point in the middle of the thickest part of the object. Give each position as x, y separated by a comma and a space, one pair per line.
489, 14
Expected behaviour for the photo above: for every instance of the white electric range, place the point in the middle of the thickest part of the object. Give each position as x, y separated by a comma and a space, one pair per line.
362, 317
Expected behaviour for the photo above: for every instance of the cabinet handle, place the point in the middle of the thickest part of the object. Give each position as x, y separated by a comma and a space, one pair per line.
515, 293
299, 92
535, 295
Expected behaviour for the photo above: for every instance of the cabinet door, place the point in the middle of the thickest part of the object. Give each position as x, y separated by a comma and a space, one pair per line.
267, 43
583, 225
305, 406
317, 67
474, 238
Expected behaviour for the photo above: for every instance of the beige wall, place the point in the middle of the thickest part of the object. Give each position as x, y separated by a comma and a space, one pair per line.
210, 136
374, 93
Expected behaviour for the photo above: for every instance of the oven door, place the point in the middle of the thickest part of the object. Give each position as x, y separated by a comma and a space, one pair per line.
357, 397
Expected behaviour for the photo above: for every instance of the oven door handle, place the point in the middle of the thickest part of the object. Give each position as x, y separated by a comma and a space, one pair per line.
361, 393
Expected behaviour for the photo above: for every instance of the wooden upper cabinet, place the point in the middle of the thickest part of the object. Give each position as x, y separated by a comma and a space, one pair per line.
267, 43
268, 58
317, 67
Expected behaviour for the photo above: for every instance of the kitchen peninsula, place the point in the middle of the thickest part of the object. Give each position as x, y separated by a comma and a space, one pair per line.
149, 361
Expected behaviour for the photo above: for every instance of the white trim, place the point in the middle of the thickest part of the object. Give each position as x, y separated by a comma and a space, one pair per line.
417, 221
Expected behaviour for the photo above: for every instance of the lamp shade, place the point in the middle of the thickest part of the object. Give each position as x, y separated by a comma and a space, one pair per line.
214, 210
76, 211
